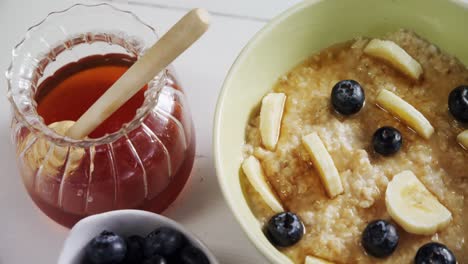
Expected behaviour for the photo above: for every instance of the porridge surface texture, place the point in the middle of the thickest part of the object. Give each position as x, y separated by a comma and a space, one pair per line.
334, 226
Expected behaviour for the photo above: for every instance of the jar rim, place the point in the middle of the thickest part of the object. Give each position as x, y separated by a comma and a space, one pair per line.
35, 123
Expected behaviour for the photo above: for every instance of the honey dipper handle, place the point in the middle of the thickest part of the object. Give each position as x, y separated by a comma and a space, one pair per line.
181, 36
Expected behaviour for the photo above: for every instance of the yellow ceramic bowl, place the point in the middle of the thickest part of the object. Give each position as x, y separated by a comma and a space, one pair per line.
291, 38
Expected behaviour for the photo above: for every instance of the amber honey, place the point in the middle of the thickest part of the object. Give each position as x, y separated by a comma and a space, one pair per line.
145, 168
74, 88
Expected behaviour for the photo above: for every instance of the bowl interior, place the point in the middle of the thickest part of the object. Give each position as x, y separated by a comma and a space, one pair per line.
122, 222
291, 38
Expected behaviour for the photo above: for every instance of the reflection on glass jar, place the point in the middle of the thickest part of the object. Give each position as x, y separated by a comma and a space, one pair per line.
140, 157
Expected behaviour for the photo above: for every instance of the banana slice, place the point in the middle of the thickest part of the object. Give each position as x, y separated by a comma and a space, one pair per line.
324, 164
314, 260
413, 207
253, 170
390, 52
270, 118
406, 112
462, 138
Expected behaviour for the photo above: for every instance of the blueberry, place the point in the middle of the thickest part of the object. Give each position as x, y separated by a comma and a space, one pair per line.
347, 97
134, 250
380, 238
163, 241
387, 141
193, 255
107, 248
284, 229
458, 103
155, 259
434, 253
85, 260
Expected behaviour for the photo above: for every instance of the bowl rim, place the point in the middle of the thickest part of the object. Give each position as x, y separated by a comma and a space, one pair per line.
67, 247
219, 110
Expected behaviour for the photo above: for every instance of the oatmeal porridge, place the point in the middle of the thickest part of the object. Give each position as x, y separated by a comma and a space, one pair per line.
333, 223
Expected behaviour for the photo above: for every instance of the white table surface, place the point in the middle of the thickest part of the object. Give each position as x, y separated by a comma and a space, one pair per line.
28, 236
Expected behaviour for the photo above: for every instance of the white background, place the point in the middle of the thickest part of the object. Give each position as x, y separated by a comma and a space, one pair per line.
28, 236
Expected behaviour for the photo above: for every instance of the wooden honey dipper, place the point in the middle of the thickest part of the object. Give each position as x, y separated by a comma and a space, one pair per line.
180, 37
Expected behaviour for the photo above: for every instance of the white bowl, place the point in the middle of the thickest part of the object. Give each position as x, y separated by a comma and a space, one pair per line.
122, 222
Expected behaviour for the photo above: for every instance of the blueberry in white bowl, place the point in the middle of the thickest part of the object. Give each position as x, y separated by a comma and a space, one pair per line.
163, 241
156, 259
132, 229
135, 249
164, 245
106, 248
193, 255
